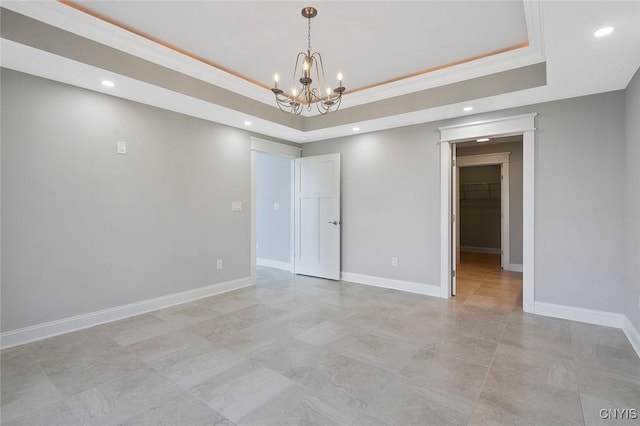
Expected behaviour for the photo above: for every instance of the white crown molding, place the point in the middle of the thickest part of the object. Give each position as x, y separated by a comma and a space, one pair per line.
21, 336
535, 32
26, 59
44, 64
469, 70
408, 286
69, 19
532, 54
85, 25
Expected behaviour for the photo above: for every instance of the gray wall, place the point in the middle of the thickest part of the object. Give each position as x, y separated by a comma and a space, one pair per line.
85, 229
391, 200
515, 191
632, 204
480, 207
273, 227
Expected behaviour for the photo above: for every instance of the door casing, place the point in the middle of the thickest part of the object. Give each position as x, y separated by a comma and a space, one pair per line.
507, 126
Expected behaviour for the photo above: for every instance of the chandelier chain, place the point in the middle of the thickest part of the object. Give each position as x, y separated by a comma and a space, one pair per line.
309, 33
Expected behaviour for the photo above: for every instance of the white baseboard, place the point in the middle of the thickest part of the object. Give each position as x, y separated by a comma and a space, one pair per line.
590, 316
480, 249
408, 286
66, 325
514, 267
285, 266
632, 334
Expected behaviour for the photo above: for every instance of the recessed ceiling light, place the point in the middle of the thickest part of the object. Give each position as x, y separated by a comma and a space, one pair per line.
107, 83
356, 129
467, 108
603, 32
247, 123
482, 140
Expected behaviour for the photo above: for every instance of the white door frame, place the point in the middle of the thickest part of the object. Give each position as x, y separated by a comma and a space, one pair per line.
516, 125
281, 150
502, 159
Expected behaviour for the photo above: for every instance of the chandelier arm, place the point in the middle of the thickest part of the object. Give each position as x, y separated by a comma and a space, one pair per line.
317, 94
322, 108
338, 102
322, 78
287, 106
294, 83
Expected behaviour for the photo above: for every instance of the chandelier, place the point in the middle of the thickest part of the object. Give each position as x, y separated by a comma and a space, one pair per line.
314, 89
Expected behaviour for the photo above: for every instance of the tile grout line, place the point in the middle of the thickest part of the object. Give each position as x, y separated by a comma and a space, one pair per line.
484, 381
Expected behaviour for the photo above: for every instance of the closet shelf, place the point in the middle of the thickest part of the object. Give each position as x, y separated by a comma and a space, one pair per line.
480, 191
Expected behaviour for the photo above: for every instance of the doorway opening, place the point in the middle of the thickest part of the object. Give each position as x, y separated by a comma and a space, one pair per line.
272, 167
522, 125
488, 204
274, 211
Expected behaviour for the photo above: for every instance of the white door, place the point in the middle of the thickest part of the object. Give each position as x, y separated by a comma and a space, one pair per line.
317, 216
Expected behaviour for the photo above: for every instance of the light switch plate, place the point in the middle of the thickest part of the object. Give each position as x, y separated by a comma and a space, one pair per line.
276, 206
122, 148
236, 206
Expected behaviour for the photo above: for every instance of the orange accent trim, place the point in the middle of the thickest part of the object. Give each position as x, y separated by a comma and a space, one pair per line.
440, 67
160, 42
175, 48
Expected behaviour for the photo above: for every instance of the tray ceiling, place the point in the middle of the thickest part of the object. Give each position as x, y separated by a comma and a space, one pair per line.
403, 62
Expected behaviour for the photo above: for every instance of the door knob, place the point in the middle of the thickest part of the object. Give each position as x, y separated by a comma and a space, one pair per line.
335, 222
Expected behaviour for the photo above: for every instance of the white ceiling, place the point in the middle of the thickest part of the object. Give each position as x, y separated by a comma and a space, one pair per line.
369, 42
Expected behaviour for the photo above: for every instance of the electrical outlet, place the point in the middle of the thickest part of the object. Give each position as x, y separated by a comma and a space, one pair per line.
219, 264
394, 261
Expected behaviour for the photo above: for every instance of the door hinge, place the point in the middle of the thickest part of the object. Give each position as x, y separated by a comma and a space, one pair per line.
453, 218
453, 163
453, 273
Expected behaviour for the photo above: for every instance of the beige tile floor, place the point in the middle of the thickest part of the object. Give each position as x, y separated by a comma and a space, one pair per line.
299, 350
